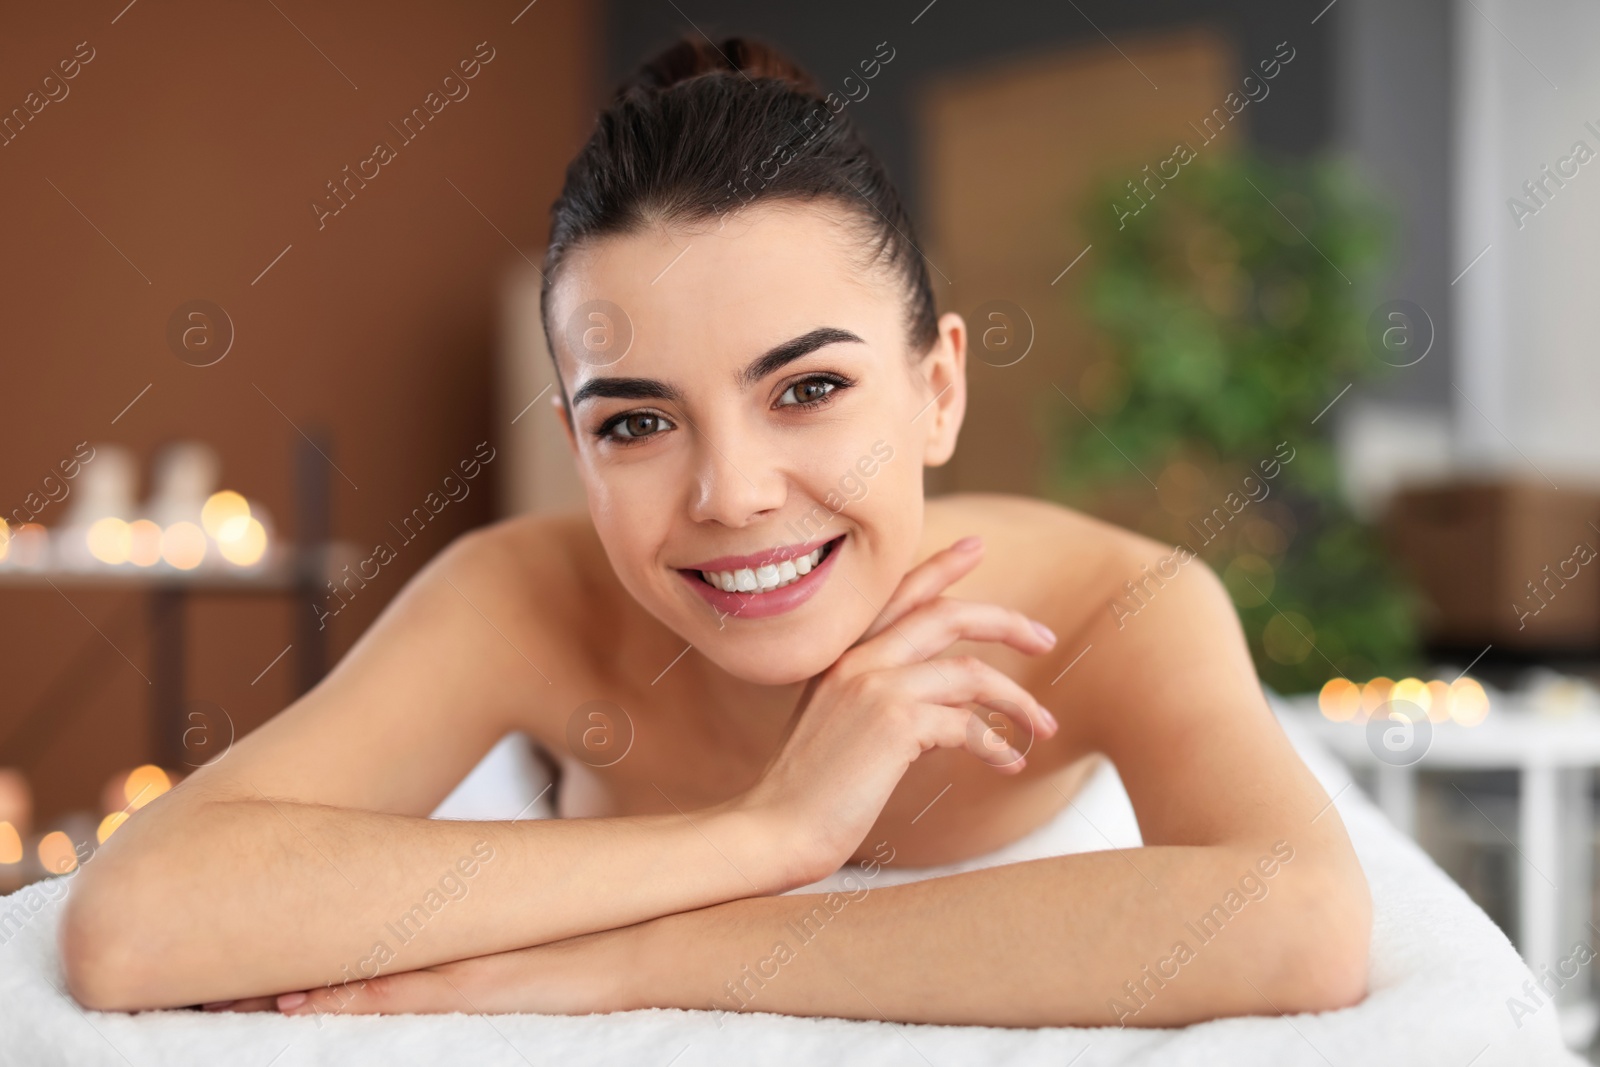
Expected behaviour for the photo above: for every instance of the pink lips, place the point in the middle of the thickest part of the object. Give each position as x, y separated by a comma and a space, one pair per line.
763, 605
772, 555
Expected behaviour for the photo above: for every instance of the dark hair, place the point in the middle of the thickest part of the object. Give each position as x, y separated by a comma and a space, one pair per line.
703, 129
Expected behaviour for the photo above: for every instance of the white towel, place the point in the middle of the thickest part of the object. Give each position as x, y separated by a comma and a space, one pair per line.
1441, 975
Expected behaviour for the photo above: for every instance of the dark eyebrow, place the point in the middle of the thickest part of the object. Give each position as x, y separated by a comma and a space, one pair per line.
790, 351
774, 359
626, 389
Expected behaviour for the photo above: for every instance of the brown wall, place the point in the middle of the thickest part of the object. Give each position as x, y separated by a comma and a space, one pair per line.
1010, 153
195, 141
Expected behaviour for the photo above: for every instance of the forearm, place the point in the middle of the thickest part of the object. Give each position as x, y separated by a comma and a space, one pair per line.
1096, 939
239, 897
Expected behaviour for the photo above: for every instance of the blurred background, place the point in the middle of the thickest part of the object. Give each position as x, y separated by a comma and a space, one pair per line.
1307, 287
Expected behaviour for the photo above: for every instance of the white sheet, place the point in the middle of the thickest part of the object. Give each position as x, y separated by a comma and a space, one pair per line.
1441, 974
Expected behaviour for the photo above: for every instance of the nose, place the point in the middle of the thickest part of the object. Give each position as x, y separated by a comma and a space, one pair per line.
736, 482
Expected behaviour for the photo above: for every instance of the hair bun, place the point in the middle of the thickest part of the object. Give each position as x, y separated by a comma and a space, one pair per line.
693, 56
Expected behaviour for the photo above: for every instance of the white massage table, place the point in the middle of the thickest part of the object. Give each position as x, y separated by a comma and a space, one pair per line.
1441, 973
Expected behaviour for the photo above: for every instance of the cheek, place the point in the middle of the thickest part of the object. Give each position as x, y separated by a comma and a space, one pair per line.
886, 507
630, 515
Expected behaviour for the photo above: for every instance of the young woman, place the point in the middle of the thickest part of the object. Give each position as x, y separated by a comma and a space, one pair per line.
819, 666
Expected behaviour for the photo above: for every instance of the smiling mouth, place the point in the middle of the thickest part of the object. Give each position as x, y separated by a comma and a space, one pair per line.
768, 577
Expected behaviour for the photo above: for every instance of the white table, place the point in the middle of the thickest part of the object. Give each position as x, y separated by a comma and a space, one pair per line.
1553, 756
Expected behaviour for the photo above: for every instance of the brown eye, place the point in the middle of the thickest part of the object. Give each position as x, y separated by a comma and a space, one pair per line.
634, 426
809, 391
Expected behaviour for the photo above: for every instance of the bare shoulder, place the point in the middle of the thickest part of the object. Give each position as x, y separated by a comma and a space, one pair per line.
1041, 556
533, 576
553, 550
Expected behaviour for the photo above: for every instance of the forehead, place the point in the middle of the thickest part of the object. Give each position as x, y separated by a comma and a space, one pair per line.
722, 288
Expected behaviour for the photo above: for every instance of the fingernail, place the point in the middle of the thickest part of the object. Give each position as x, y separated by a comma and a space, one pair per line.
291, 1001
1044, 713
1044, 631
967, 544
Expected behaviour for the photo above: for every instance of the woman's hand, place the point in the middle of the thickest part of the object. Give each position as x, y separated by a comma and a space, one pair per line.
886, 701
572, 977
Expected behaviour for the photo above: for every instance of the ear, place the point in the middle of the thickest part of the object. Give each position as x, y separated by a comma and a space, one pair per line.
945, 369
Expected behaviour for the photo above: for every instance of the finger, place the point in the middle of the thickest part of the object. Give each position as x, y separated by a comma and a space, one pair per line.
1001, 730
940, 726
931, 628
423, 992
958, 680
361, 997
243, 1004
927, 580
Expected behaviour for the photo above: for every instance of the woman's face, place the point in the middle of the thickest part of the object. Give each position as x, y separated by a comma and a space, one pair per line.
745, 408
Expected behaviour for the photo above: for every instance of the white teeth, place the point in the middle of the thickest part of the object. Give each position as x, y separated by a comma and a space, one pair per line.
765, 578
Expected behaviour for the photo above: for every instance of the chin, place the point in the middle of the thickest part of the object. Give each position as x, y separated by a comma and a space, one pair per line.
776, 663
786, 633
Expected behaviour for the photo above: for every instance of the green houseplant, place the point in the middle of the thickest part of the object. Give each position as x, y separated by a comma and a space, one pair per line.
1230, 312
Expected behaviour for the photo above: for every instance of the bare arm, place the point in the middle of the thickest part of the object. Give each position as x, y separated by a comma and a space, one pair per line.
305, 856
1247, 899
318, 817
1140, 938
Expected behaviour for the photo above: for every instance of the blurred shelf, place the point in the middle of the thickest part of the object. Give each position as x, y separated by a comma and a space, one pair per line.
272, 578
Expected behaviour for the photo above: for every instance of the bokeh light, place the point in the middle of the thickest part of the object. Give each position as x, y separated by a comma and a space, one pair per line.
1413, 691
1375, 693
10, 844
183, 545
56, 853
1340, 699
1469, 703
109, 540
30, 545
219, 508
109, 824
144, 784
1439, 701
144, 543
243, 541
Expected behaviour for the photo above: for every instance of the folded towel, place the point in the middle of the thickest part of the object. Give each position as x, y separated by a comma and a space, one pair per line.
1441, 975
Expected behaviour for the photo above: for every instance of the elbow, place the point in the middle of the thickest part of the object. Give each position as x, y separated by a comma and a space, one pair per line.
124, 925
94, 950
1325, 978
1323, 951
